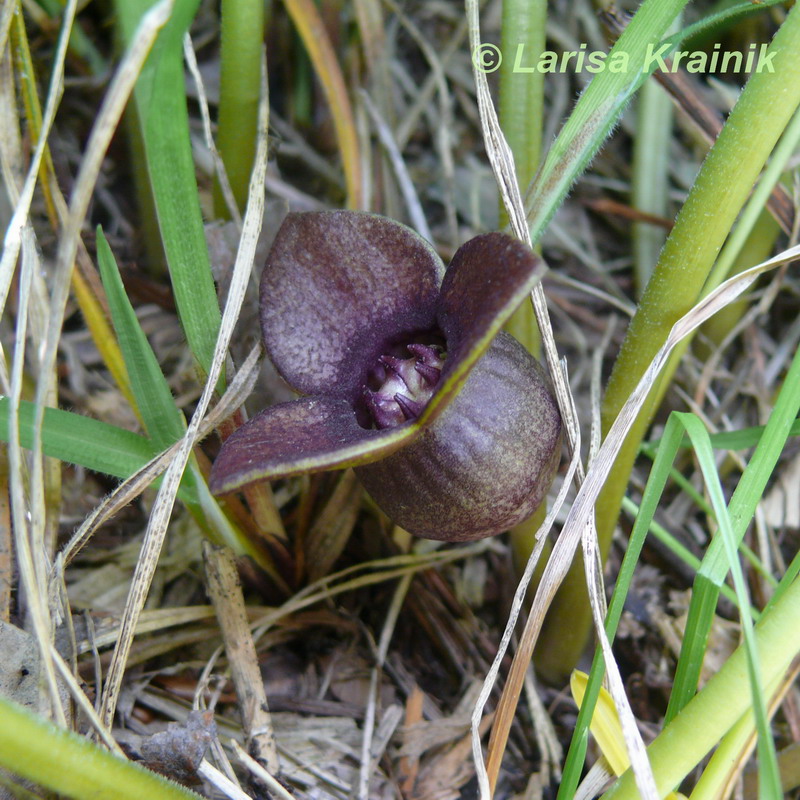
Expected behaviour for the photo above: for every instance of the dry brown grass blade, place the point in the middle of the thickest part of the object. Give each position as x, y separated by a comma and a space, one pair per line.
331, 530
224, 785
19, 236
436, 80
30, 519
581, 514
506, 709
582, 531
21, 198
30, 530
165, 499
315, 37
219, 167
375, 572
86, 285
415, 212
368, 758
709, 123
226, 594
103, 129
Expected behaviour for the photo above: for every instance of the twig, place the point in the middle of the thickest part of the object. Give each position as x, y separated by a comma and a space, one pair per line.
258, 770
226, 594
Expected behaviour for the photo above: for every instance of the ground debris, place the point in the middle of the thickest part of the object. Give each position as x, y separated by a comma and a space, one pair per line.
176, 751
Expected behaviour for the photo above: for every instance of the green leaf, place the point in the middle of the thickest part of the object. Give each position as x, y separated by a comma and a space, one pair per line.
730, 440
162, 419
598, 109
90, 443
81, 440
720, 20
161, 103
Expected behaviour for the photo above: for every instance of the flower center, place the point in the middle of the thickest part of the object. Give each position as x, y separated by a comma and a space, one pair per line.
403, 386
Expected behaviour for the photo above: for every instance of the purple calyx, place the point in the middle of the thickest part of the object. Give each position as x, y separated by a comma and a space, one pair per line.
403, 385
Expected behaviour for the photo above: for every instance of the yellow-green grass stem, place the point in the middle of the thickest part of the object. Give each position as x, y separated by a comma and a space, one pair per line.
764, 109
757, 248
242, 34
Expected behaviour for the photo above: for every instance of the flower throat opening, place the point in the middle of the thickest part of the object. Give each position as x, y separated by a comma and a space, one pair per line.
398, 389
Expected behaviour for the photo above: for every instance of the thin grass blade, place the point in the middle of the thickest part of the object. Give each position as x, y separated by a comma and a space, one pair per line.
162, 419
741, 509
161, 104
769, 776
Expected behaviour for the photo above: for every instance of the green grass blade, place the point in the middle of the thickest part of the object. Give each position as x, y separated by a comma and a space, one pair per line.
683, 553
741, 509
162, 419
792, 571
164, 120
73, 766
721, 19
731, 440
769, 776
81, 440
598, 109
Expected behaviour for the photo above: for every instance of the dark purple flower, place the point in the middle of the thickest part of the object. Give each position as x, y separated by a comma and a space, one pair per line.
448, 421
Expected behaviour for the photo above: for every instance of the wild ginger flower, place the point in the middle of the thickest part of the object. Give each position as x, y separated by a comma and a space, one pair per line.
449, 423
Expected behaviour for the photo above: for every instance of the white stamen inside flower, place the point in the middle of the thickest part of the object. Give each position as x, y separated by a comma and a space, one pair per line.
404, 385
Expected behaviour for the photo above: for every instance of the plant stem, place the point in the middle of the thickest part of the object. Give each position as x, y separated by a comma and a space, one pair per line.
242, 34
757, 248
766, 105
521, 110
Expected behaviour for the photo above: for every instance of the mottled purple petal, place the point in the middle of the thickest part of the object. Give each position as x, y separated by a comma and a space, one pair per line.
339, 285
307, 435
487, 279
